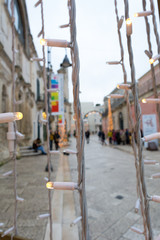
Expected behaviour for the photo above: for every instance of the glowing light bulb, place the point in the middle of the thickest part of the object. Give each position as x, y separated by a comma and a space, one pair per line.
144, 100
123, 86
128, 21
44, 115
50, 185
18, 116
136, 15
128, 26
151, 60
143, 14
55, 43
62, 185
43, 42
151, 100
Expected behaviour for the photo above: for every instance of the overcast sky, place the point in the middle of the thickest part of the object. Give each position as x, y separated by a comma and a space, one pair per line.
97, 40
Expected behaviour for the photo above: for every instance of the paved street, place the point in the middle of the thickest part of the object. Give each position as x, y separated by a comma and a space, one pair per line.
111, 191
111, 194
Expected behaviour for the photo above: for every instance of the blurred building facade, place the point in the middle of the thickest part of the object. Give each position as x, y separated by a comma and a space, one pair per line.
29, 83
119, 108
92, 115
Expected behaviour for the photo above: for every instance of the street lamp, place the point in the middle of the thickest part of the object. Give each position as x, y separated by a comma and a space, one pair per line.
65, 63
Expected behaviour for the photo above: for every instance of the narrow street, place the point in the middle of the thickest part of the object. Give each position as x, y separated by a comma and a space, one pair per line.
111, 191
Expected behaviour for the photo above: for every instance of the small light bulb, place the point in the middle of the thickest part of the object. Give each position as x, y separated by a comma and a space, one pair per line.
44, 115
144, 100
43, 42
49, 185
129, 26
136, 15
151, 60
128, 21
18, 116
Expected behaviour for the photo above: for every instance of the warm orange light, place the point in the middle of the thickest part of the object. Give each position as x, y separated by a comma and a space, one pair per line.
74, 118
44, 115
144, 100
136, 15
18, 116
151, 60
43, 42
128, 21
49, 185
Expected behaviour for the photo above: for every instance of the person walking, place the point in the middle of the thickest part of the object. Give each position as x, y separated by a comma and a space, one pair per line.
103, 138
56, 137
51, 139
87, 134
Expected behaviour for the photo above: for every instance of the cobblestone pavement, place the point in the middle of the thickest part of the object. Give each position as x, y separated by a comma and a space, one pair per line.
31, 187
111, 191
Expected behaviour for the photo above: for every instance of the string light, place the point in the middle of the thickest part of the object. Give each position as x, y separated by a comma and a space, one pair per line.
70, 151
11, 137
52, 90
40, 33
46, 179
128, 26
155, 175
151, 100
36, 59
65, 25
113, 62
10, 117
20, 135
151, 137
116, 96
39, 2
137, 206
45, 215
148, 53
20, 199
137, 230
153, 59
143, 14
120, 22
155, 198
55, 43
62, 185
124, 86
150, 162
7, 231
76, 221
7, 173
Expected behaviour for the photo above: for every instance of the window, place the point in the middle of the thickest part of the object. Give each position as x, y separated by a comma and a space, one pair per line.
38, 89
18, 18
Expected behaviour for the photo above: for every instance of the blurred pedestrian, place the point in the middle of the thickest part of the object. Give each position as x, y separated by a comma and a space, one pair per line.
103, 138
56, 137
51, 139
110, 135
123, 137
37, 145
87, 134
